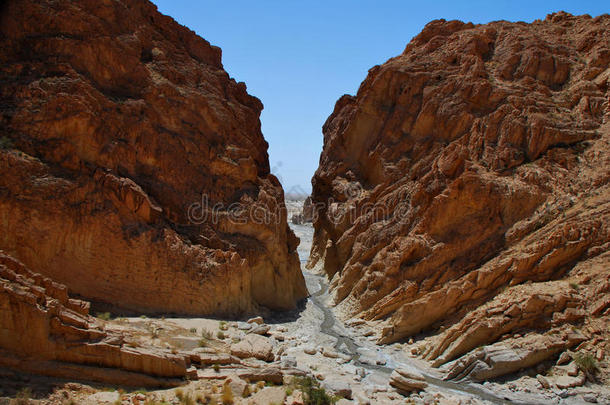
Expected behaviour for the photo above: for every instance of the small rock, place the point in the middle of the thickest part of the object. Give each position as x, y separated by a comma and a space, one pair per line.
260, 329
591, 398
410, 341
355, 322
258, 320
244, 326
191, 373
289, 361
572, 369
331, 353
569, 382
599, 355
320, 376
310, 350
564, 358
543, 381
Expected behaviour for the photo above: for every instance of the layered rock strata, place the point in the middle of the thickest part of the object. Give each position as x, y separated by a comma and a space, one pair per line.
44, 331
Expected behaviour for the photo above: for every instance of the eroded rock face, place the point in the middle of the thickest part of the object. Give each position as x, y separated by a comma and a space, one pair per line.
44, 331
476, 161
130, 144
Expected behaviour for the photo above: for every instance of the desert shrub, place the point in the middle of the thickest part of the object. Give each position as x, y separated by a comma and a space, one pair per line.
587, 364
203, 342
179, 393
220, 335
227, 395
206, 334
193, 330
187, 400
312, 392
104, 316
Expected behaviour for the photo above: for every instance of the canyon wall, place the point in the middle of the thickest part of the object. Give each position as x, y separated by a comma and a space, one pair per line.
133, 168
464, 191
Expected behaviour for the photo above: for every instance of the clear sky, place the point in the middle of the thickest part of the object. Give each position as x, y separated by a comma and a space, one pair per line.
299, 57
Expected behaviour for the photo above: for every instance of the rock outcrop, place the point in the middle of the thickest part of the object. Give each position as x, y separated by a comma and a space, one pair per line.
133, 168
44, 331
464, 191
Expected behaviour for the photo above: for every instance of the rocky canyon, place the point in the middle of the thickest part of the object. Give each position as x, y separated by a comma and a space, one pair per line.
455, 248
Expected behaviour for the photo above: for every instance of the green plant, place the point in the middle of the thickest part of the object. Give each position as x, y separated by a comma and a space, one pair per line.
203, 342
206, 334
587, 364
179, 393
216, 368
193, 330
104, 316
312, 392
222, 325
574, 286
5, 143
220, 335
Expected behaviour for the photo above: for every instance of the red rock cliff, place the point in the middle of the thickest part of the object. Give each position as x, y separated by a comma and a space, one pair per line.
116, 122
473, 163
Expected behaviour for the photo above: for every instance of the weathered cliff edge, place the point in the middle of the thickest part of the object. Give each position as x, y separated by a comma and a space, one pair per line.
121, 132
44, 331
464, 191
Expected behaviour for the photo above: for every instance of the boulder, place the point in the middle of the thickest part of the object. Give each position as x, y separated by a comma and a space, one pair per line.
268, 374
406, 381
256, 320
255, 346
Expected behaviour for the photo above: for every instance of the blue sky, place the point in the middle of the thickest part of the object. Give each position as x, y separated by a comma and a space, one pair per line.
299, 57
